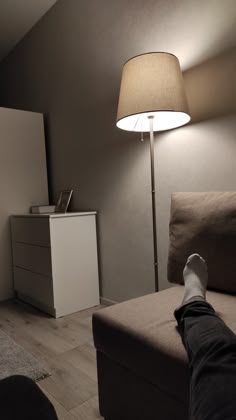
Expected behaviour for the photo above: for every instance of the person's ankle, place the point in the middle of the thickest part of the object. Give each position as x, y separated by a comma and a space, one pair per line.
195, 277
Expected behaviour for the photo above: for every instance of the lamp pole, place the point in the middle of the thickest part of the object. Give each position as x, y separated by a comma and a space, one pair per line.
151, 117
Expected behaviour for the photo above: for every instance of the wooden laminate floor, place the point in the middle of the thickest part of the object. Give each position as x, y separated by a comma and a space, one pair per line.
65, 347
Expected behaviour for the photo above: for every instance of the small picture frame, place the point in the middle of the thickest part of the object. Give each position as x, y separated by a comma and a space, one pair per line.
63, 201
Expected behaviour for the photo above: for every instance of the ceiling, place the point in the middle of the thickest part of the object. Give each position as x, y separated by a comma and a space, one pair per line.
17, 17
193, 30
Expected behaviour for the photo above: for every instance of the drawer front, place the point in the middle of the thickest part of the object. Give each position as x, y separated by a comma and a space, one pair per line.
31, 230
36, 286
33, 258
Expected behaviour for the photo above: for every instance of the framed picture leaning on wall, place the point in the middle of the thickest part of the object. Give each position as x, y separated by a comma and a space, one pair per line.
63, 201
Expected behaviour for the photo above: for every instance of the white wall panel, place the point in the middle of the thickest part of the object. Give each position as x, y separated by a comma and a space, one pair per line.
23, 178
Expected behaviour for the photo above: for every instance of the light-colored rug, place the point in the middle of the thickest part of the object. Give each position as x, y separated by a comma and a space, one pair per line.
14, 360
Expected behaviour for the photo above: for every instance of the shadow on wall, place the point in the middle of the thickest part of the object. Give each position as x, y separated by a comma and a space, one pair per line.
211, 87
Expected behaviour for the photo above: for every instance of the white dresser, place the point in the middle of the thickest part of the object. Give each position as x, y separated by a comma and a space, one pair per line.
55, 261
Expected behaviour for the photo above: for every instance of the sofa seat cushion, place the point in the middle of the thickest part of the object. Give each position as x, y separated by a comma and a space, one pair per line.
141, 335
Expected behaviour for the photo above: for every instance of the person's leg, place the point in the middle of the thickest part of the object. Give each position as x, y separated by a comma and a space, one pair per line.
211, 348
22, 399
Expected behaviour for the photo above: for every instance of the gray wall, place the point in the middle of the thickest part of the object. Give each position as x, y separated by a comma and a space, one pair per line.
69, 67
200, 156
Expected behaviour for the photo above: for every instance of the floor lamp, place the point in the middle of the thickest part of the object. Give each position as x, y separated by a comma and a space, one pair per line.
152, 98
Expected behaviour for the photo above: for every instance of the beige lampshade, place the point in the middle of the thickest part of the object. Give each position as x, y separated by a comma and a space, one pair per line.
152, 84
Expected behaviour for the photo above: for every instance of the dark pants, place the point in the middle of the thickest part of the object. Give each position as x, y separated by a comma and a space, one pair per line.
22, 399
211, 348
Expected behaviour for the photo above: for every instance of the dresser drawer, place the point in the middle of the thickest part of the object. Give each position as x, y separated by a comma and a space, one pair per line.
38, 287
32, 257
31, 230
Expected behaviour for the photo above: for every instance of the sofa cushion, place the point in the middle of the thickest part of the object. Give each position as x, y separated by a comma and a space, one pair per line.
141, 335
204, 223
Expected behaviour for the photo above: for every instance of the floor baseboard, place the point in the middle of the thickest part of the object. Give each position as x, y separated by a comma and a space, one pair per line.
107, 302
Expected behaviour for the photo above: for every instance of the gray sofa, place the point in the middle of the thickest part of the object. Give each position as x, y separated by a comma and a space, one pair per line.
143, 371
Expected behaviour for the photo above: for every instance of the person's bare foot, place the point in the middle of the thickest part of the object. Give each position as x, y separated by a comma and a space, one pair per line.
195, 277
